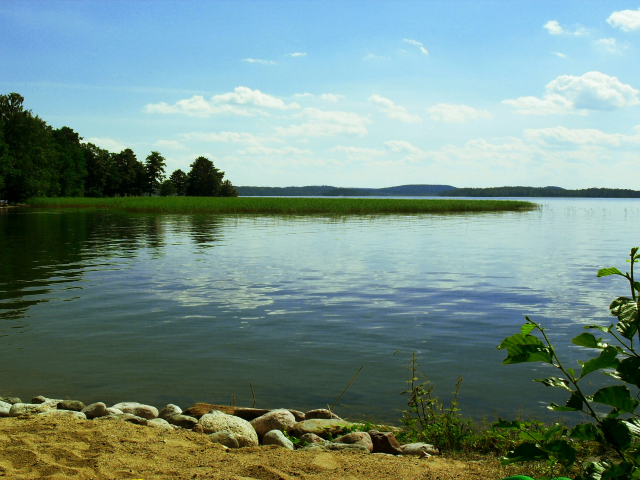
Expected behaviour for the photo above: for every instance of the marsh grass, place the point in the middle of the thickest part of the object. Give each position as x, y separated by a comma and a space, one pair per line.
284, 205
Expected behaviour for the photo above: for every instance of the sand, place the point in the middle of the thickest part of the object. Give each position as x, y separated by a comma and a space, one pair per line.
59, 448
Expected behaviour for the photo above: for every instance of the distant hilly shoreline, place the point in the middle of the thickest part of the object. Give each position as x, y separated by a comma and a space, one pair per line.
432, 191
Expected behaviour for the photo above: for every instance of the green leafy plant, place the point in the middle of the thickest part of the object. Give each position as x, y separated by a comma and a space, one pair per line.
426, 419
617, 428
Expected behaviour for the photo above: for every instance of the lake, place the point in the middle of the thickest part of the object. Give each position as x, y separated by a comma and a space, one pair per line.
110, 306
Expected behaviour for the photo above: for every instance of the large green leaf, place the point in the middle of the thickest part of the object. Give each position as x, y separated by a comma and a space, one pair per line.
616, 396
618, 470
554, 382
603, 272
526, 328
574, 404
586, 431
616, 432
606, 359
598, 327
506, 425
525, 452
525, 348
625, 309
564, 453
633, 424
587, 340
629, 371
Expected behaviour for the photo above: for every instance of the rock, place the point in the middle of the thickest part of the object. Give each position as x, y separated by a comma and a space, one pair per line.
10, 400
299, 416
65, 413
95, 410
217, 421
228, 439
321, 413
335, 447
159, 423
18, 409
73, 405
183, 421
359, 438
127, 417
170, 410
249, 413
384, 442
114, 411
199, 409
137, 409
419, 449
39, 400
244, 441
274, 420
276, 437
309, 438
321, 427
197, 428
5, 408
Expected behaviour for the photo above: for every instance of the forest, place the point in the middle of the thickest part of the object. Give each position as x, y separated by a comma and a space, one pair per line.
37, 160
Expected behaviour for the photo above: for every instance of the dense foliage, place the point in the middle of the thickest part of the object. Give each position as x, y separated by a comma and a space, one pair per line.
37, 160
541, 192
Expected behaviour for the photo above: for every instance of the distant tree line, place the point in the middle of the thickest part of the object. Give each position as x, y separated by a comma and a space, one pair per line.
37, 160
541, 192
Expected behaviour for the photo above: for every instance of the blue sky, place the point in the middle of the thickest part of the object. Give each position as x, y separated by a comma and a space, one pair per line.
363, 94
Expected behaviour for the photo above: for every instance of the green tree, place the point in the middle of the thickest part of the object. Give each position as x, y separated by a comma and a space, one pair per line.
204, 180
167, 189
154, 167
98, 163
228, 190
179, 180
130, 174
70, 164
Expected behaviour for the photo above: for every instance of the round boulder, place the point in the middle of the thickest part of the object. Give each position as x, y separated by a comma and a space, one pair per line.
95, 410
280, 419
170, 410
216, 421
276, 437
228, 439
137, 409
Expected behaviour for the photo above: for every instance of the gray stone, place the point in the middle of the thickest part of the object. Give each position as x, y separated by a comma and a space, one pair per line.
73, 405
228, 439
137, 409
5, 408
384, 442
114, 411
10, 400
65, 413
274, 420
170, 410
159, 423
95, 410
299, 416
216, 421
39, 400
335, 447
183, 421
321, 427
310, 438
244, 441
18, 409
126, 417
359, 438
276, 437
419, 449
321, 413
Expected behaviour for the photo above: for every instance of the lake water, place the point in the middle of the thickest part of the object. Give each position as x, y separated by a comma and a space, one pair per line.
103, 306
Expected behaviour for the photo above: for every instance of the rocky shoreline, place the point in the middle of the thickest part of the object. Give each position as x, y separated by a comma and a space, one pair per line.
233, 427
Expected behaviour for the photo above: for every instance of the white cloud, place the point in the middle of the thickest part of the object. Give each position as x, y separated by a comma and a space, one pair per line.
449, 113
588, 136
610, 45
196, 106
257, 60
392, 110
262, 150
327, 123
569, 94
417, 44
359, 150
558, 54
296, 54
402, 146
106, 143
330, 97
303, 95
229, 137
625, 20
244, 95
169, 144
554, 28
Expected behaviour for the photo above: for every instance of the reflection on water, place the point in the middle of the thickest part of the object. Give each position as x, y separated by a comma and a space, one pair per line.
182, 308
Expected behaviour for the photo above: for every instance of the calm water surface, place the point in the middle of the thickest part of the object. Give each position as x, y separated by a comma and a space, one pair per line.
104, 306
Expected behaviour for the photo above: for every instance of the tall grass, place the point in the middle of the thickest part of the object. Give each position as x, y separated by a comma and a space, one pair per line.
286, 206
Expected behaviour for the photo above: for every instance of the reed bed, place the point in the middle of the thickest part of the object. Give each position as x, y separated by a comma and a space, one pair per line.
284, 205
